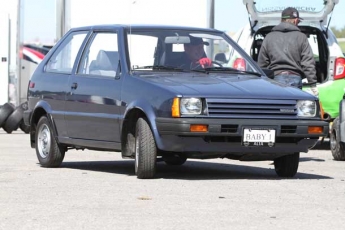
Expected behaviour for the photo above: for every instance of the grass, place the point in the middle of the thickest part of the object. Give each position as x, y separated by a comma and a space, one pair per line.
342, 45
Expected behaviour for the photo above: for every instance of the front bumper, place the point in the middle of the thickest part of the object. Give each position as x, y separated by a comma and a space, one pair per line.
225, 135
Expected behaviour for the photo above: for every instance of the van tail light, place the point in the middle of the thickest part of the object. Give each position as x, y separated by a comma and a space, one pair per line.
240, 64
31, 84
339, 68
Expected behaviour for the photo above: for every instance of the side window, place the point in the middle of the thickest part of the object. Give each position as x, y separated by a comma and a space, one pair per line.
63, 59
101, 57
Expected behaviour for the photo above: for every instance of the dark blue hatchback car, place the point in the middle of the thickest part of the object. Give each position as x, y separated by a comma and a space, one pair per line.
163, 93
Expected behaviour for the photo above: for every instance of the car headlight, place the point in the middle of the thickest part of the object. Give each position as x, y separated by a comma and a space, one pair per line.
190, 106
306, 108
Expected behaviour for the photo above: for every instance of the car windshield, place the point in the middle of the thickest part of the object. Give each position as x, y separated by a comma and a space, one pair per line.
182, 50
310, 6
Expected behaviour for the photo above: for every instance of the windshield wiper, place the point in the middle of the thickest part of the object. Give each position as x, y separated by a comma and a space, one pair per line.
158, 67
231, 70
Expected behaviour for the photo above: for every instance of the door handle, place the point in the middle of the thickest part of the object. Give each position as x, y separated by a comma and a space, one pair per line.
74, 85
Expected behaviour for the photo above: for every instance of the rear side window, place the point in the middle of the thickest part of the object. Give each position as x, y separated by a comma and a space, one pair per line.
63, 59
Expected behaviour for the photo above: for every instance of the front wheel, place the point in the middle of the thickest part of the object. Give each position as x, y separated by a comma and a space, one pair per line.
48, 152
337, 147
145, 151
286, 166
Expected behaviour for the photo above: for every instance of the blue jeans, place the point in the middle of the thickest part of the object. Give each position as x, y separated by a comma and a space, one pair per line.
288, 79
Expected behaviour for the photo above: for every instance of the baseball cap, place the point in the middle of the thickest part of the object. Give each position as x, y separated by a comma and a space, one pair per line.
291, 13
196, 41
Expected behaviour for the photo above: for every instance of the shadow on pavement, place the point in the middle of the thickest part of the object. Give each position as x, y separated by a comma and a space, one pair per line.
191, 170
322, 145
305, 159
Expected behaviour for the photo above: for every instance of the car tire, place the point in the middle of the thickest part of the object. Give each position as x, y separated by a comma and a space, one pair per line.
48, 152
145, 151
5, 112
13, 121
287, 166
175, 160
337, 147
25, 128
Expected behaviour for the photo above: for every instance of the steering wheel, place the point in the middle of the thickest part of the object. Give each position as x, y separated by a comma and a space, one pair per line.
217, 63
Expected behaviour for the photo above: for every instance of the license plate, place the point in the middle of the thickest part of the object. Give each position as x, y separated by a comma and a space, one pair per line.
258, 137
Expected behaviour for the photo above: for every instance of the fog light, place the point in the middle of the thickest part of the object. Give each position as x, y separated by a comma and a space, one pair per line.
315, 129
199, 128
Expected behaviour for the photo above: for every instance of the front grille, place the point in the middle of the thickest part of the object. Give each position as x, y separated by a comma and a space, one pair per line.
288, 129
251, 108
229, 128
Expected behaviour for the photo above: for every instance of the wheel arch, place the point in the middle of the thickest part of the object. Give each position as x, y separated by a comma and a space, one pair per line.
132, 114
41, 109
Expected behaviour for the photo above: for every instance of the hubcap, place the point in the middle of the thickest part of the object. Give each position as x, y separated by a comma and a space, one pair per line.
44, 141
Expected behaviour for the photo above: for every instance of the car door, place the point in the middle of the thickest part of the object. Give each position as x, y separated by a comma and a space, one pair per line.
92, 106
56, 74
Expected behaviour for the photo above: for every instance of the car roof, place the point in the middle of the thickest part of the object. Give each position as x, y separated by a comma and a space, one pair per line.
141, 26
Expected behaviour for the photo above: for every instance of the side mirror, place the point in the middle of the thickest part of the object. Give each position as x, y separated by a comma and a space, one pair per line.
269, 73
221, 57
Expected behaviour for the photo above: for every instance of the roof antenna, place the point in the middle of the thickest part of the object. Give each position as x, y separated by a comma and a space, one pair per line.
130, 28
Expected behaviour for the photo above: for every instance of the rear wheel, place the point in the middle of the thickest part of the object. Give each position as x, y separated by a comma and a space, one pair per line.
145, 151
286, 166
48, 152
337, 147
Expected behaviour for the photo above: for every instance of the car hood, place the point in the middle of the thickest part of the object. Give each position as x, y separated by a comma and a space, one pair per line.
226, 85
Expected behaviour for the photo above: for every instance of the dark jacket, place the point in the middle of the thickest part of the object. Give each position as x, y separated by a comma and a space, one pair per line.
286, 48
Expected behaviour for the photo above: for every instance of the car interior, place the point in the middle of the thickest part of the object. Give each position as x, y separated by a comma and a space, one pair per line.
321, 52
105, 64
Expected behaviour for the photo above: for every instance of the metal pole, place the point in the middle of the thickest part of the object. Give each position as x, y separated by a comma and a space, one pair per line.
210, 23
19, 41
60, 18
210, 13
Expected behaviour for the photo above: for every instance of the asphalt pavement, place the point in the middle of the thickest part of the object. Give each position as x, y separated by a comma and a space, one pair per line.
99, 190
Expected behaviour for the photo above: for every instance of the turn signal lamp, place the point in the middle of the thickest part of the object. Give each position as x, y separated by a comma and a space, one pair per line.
199, 128
315, 130
175, 108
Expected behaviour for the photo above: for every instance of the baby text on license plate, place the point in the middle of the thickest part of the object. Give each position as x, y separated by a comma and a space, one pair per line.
258, 137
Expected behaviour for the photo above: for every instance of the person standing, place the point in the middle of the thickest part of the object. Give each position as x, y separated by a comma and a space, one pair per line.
287, 52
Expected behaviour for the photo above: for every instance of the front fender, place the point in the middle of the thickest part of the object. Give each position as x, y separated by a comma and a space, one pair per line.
150, 114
